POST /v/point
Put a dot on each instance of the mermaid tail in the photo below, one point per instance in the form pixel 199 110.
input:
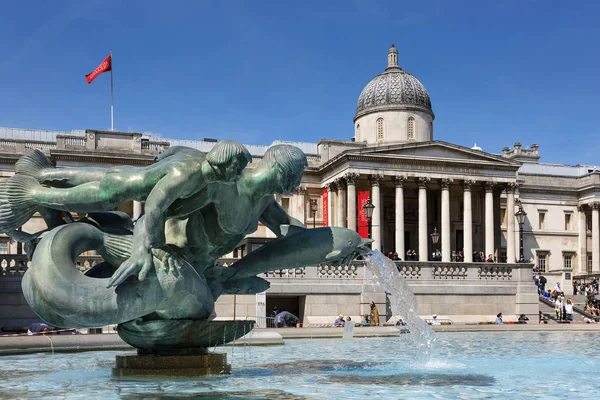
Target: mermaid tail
pixel 33 164
pixel 62 296
pixel 17 204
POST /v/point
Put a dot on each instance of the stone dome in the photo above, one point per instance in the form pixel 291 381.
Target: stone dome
pixel 394 89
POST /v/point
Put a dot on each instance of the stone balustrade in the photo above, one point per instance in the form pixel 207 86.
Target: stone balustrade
pixel 14 264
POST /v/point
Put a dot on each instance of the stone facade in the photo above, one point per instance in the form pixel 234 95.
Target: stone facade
pixel 417 184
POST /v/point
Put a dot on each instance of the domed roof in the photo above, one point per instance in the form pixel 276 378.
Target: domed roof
pixel 394 89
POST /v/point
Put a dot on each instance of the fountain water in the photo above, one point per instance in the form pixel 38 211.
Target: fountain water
pixel 387 277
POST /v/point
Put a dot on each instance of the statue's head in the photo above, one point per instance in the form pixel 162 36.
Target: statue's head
pixel 229 158
pixel 288 163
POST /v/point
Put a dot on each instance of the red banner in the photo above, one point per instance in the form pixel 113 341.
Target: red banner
pixel 363 222
pixel 105 66
pixel 325 195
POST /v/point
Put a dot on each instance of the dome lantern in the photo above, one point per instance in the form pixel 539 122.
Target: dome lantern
pixel 393 59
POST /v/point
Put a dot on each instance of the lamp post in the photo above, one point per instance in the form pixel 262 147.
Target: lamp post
pixel 314 207
pixel 435 237
pixel 369 207
pixel 521 215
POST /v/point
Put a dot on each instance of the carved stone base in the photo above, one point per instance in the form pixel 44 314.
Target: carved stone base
pixel 189 365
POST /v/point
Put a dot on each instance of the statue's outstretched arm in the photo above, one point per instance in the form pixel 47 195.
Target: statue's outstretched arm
pixel 297 248
pixel 149 231
pixel 274 216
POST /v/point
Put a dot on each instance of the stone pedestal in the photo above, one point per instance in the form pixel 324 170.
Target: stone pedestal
pixel 180 365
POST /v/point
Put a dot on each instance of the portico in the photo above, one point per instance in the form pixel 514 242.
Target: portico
pixel 419 187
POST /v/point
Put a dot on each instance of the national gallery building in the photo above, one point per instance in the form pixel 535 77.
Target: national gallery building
pixel 429 197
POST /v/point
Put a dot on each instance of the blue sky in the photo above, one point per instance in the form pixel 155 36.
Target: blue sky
pixel 255 71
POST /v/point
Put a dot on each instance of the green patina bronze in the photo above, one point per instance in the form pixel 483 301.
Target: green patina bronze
pixel 159 280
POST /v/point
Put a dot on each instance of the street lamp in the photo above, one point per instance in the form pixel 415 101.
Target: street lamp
pixel 521 215
pixel 369 207
pixel 435 238
pixel 314 207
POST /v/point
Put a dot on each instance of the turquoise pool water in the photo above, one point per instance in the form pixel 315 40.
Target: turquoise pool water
pixel 464 365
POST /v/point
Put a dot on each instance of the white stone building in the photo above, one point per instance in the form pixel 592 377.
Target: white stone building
pixel 418 185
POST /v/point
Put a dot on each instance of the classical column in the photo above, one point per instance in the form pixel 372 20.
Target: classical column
pixel 341 203
pixel 582 253
pixel 351 179
pixel 300 204
pixel 446 250
pixel 510 224
pixel 332 204
pixel 399 211
pixel 489 219
pixel 330 187
pixel 468 222
pixel 423 248
pixel 595 238
pixel 137 209
pixel 376 220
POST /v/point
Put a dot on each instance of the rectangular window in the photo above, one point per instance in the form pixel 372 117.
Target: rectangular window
pixel 589 263
pixel 567 222
pixel 503 216
pixel 3 247
pixel 588 220
pixel 542 220
pixel 541 262
pixel 568 259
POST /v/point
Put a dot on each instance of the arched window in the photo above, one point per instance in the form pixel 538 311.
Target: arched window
pixel 357 133
pixel 380 132
pixel 410 128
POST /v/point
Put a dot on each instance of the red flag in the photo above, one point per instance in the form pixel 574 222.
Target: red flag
pixel 105 66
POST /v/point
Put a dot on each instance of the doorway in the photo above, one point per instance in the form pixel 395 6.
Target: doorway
pixel 293 304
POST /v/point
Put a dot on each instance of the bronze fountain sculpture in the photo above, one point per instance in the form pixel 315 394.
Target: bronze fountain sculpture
pixel 159 279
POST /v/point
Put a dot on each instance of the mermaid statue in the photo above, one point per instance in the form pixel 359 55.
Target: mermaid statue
pixel 159 279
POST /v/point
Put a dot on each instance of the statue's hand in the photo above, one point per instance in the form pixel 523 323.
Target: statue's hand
pixel 170 275
pixel 138 263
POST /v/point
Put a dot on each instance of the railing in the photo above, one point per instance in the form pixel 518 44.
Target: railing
pixel 13 264
pixel 154 146
pixel 20 145
pixel 40 145
pixel 16 264
pixel 75 141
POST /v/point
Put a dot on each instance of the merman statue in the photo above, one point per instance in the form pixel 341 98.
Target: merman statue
pixel 160 280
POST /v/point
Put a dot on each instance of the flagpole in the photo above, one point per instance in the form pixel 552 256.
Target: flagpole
pixel 112 96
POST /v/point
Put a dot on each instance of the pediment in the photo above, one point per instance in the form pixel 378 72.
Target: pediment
pixel 434 151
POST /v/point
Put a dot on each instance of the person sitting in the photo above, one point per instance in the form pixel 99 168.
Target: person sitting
pixel 543 318
pixel 499 320
pixel 339 321
pixel 523 319
pixel 490 259
pixel 547 294
pixel 434 320
pixel 395 257
pixel 558 289
pixel 365 320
